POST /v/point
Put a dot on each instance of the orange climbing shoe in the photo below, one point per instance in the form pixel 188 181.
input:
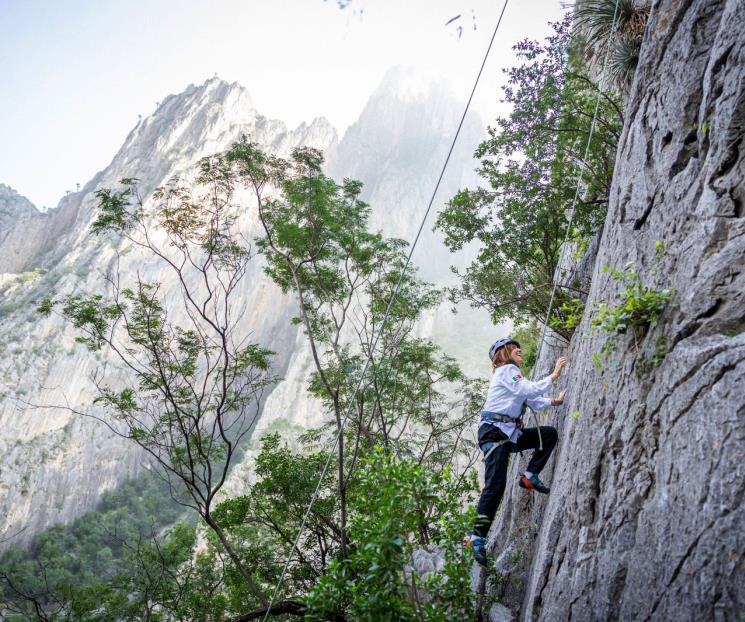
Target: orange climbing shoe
pixel 534 483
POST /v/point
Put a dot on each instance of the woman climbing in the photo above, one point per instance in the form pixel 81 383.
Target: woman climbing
pixel 501 432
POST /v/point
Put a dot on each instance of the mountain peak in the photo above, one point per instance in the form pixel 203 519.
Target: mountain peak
pixel 406 121
pixel 202 120
pixel 13 204
pixel 214 90
pixel 412 84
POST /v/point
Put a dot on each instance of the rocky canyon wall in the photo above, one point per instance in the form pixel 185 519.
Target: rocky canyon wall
pixel 646 520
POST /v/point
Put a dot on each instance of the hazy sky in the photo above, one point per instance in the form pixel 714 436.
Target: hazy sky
pixel 76 73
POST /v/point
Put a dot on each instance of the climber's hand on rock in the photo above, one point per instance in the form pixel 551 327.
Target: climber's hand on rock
pixel 558 367
pixel 558 401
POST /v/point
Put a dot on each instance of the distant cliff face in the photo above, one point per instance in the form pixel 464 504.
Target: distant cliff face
pixel 397 149
pixel 25 233
pixel 55 466
pixel 13 207
pixel 646 518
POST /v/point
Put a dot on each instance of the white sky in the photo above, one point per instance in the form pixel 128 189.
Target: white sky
pixel 76 73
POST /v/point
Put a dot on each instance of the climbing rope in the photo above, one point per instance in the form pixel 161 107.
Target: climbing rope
pixel 571 214
pixel 385 317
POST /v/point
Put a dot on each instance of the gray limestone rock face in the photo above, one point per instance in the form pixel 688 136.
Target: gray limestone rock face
pixel 499 613
pixel 646 520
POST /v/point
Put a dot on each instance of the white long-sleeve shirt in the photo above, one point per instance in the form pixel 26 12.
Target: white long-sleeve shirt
pixel 508 391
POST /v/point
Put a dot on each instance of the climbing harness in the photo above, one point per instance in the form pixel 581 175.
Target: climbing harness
pixel 489 446
pixel 489 416
pixel 486 416
pixel 385 319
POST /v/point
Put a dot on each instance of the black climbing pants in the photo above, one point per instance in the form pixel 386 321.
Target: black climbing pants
pixel 495 470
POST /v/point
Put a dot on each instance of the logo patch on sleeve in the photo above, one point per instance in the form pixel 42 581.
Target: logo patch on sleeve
pixel 516 378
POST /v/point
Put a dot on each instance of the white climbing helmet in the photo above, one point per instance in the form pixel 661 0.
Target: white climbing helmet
pixel 500 343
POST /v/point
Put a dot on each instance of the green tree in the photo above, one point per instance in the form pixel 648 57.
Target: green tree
pixel 194 387
pixel 318 246
pixel 92 548
pixel 399 506
pixel 531 163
